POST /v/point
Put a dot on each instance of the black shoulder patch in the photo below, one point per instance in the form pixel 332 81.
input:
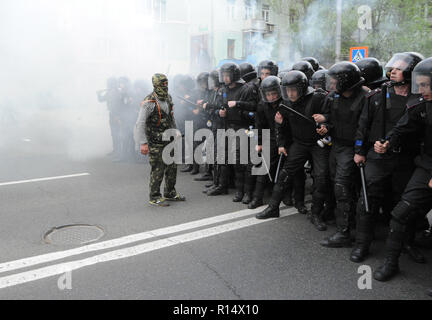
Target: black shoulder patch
pixel 415 102
pixel 373 92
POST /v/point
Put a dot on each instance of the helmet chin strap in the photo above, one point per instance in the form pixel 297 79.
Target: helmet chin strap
pixel 399 84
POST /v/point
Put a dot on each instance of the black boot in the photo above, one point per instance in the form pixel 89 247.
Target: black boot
pixel 195 169
pixel 255 203
pixel 340 239
pixel 205 177
pixel 315 217
pixel 429 292
pixel 364 235
pixel 270 212
pixel 239 184
pixel 219 190
pixel 301 208
pixel 238 197
pixel 247 198
pixel 390 268
pixel 288 201
pixel 409 247
pixel 187 168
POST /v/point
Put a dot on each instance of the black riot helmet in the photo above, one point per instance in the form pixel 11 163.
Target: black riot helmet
pixel 319 79
pixel 295 80
pixel 405 62
pixel 141 85
pixel 416 54
pixel 213 80
pixel 124 82
pixel 372 71
pixel 202 80
pixel 344 76
pixel 422 79
pixel 270 84
pixel 112 83
pixel 248 72
pixel 283 72
pixel 304 67
pixel 314 62
pixel 187 83
pixel 270 65
pixel 232 70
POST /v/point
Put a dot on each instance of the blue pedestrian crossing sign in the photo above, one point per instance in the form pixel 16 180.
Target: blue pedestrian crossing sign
pixel 358 53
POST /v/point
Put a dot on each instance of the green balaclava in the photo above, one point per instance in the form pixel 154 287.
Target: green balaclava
pixel 159 89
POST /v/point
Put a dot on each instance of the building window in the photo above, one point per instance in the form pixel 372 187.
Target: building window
pixel 231 49
pixel 266 12
pixel 249 10
pixel 159 9
pixel 231 9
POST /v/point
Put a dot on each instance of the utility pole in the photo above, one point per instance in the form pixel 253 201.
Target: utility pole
pixel 338 29
pixel 212 34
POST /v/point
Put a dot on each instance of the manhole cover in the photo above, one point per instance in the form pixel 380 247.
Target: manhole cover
pixel 74 234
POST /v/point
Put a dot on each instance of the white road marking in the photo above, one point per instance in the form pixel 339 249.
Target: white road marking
pixel 43 179
pixel 31 261
pixel 58 269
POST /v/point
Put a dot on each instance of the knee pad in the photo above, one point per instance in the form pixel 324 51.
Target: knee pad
pixel 342 193
pixel 403 212
pixel 397 226
pixel 284 177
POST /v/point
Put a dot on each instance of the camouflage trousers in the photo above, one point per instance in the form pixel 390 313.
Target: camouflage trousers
pixel 159 170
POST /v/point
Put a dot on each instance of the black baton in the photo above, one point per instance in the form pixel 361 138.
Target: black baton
pixel 363 180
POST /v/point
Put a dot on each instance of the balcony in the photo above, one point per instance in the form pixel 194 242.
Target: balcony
pixel 258 25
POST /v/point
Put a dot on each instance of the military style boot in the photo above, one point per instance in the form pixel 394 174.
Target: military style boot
pixel 301 208
pixel 222 182
pixel 270 212
pixel 316 218
pixel 390 268
pixel 195 169
pixel 364 237
pixel 187 168
pixel 258 195
pixel 239 184
pixel 341 238
pixel 409 247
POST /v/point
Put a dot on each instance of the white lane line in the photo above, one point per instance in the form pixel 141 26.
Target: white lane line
pixel 31 261
pixel 44 179
pixel 46 272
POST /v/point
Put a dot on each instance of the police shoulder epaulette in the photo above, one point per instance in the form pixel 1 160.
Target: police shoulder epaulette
pixel 373 92
pixel 415 102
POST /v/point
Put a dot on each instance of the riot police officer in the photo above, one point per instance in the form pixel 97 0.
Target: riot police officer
pixel 267 68
pixel 301 98
pixel 314 62
pixel 344 103
pixel 304 67
pixel 234 93
pixel 319 80
pixel 372 71
pixel 382 111
pixel 418 193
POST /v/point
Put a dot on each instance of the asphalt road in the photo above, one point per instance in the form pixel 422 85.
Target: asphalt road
pixel 218 256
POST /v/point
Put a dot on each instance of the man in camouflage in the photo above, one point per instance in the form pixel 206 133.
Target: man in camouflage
pixel 156 116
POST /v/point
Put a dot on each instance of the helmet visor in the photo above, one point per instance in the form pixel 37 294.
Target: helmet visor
pixel 271 94
pixel 291 93
pixel 401 62
pixel 422 84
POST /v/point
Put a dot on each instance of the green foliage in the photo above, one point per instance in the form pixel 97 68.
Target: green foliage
pixel 397 26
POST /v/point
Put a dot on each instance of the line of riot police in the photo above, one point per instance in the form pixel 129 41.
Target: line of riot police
pixel 123 101
pixel 333 124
